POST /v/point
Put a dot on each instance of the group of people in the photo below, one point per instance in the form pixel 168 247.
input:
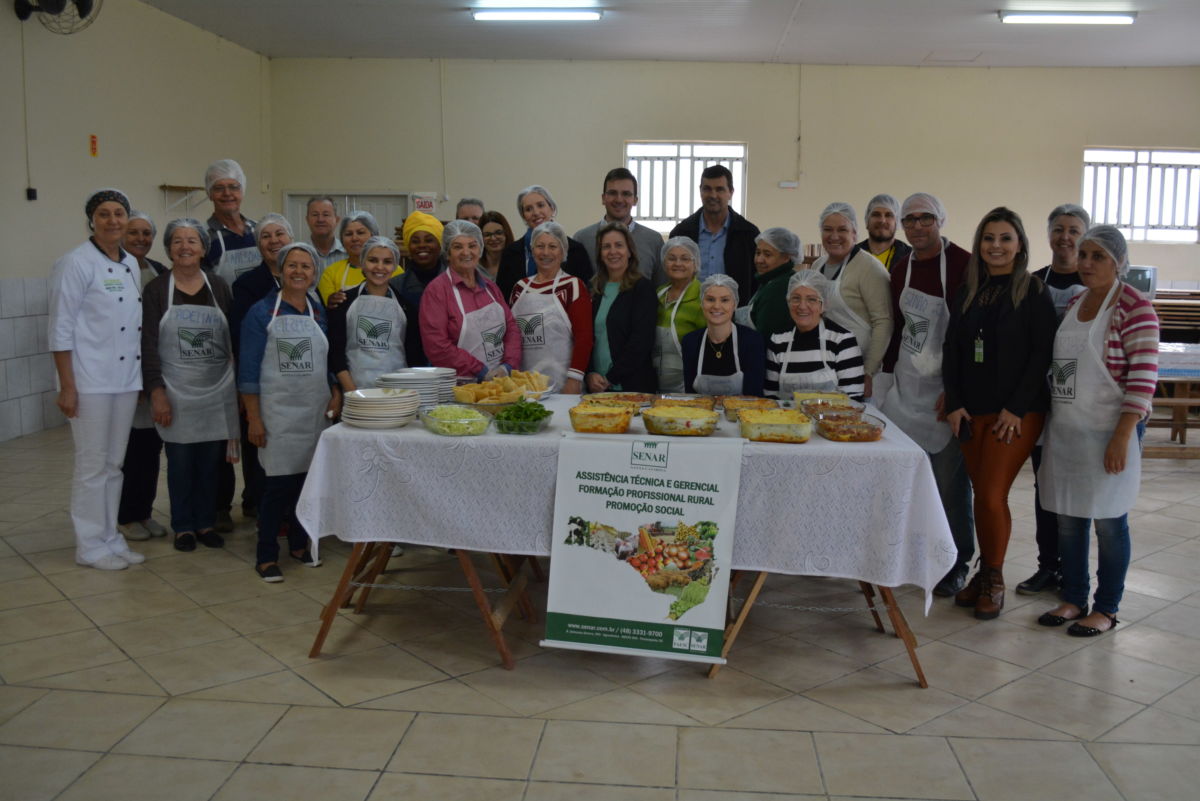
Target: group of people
pixel 242 347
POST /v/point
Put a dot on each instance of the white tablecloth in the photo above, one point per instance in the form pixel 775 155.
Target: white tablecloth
pixel 866 511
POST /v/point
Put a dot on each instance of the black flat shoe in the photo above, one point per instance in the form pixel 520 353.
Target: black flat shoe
pixel 1080 630
pixel 185 541
pixel 1051 619
pixel 1041 580
pixel 210 539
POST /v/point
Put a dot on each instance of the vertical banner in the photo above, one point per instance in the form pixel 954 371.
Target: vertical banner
pixel 643 537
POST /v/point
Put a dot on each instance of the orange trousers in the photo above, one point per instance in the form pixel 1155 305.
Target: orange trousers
pixel 993 465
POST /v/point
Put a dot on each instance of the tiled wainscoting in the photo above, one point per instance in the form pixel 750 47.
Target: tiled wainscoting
pixel 27 388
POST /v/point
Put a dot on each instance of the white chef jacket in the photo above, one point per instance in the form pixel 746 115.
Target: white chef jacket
pixel 96 313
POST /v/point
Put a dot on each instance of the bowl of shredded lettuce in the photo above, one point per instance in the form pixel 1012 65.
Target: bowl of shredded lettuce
pixel 523 417
pixel 453 420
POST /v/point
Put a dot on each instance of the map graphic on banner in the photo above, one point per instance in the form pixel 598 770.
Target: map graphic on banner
pixel 642 542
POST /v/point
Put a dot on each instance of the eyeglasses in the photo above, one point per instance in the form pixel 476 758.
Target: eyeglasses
pixel 222 188
pixel 493 234
pixel 804 302
pixel 923 220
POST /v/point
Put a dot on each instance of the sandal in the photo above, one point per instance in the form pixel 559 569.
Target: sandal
pixel 1051 619
pixel 185 541
pixel 1080 630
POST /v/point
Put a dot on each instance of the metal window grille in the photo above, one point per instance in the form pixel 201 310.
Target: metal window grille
pixel 1151 195
pixel 668 175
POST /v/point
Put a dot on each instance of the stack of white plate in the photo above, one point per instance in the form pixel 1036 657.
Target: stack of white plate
pixel 380 408
pixel 434 384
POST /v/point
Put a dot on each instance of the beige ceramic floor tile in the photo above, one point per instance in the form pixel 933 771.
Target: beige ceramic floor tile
pixel 273 612
pixel 854 636
pixel 410 786
pixel 957 670
pixel 201 730
pixel 1159 585
pixel 84 721
pixel 40 774
pixel 450 696
pixel 14 699
pixel 468 745
pixel 748 759
pixel 1047 771
pixel 900 766
pixel 15 512
pixel 801 714
pixel 794 664
pixel 465 650
pixel 139 778
pixel 163 633
pixel 725 795
pixel 636 755
pixel 977 720
pixel 1068 707
pixel 688 690
pixel 123 606
pixel 895 702
pixel 370 674
pixel 538 684
pixel 417 618
pixel 61 560
pixel 1156 726
pixel 355 739
pixel 621 705
pixel 1154 645
pixel 283 687
pixel 617 668
pixel 118 677
pixel 1016 643
pixel 42 620
pixel 204 562
pixel 1164 523
pixel 236 585
pixel 554 791
pixel 291 644
pixel 1151 772
pixel 1184 701
pixel 82 582
pixel 1111 672
pixel 1176 619
pixel 259 782
pixel 62 653
pixel 27 591
pixel 208 665
pixel 15 567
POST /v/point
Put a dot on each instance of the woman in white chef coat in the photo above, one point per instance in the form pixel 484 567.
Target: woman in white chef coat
pixel 861 297
pixel 1102 379
pixel 95 339
pixel 283 377
pixel 553 310
pixel 375 331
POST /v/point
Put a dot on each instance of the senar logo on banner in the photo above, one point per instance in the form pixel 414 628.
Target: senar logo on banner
pixel 643 538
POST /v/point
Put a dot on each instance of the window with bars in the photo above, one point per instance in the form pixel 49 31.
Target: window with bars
pixel 668 175
pixel 1151 195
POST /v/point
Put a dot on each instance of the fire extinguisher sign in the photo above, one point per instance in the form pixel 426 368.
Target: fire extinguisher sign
pixel 94 145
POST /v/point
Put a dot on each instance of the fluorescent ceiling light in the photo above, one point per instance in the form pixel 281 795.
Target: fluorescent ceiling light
pixel 536 15
pixel 1068 17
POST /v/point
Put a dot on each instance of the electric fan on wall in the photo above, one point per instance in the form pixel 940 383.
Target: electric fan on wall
pixel 60 16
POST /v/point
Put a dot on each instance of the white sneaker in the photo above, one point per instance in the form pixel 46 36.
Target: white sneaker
pixel 132 557
pixel 107 562
pixel 155 528
pixel 135 531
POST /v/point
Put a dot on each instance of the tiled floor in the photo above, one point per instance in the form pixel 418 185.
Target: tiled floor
pixel 188 678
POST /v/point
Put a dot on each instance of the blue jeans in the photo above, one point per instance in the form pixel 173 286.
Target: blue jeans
pixel 278 505
pixel 192 483
pixel 954 487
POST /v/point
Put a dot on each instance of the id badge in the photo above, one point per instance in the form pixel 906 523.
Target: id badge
pixel 979 350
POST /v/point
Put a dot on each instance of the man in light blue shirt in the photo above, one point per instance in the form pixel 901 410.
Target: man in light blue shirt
pixel 726 238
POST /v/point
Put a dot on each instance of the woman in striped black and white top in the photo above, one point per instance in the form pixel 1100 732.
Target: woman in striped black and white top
pixel 817 355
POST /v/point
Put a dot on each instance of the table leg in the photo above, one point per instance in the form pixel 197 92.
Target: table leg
pixel 382 555
pixel 900 625
pixel 731 630
pixel 870 596
pixel 485 608
pixel 511 567
pixel 340 596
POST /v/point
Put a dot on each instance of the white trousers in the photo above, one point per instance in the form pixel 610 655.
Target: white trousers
pixel 101 432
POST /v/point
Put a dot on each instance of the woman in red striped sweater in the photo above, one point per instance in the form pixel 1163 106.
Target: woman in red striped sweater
pixel 1102 378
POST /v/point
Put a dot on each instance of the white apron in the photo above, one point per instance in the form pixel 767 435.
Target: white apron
pixel 235 262
pixel 375 331
pixel 1062 297
pixel 910 402
pixel 197 369
pixel 823 380
pixel 1085 405
pixel 719 384
pixel 294 391
pixel 482 333
pixel 546 334
pixel 668 354
pixel 839 311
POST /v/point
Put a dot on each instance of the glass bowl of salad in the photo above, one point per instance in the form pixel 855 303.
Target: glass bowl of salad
pixel 522 417
pixel 455 420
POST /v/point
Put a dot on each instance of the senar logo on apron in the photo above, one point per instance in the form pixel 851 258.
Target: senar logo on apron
pixel 373 333
pixel 533 332
pixel 493 343
pixel 196 343
pixel 1062 379
pixel 293 353
pixel 916 330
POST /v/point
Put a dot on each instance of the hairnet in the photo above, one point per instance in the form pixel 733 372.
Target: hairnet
pixel 223 168
pixel 104 196
pixel 844 209
pixel 380 242
pixel 535 188
pixel 141 215
pixel 451 231
pixel 1071 210
pixel 553 229
pixel 923 202
pixel 782 240
pixel 364 217
pixel 681 242
pixel 1113 242
pixel 885 200
pixel 186 222
pixel 307 248
pixel 720 279
pixel 274 219
pixel 809 278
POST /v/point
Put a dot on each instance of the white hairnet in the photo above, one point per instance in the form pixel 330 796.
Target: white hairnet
pixel 275 219
pixel 922 203
pixel 141 215
pixel 223 168
pixel 681 242
pixel 307 248
pixel 1071 210
pixel 380 242
pixel 844 209
pixel 538 189
pixel 364 217
pixel 810 278
pixel 885 200
pixel 457 228
pixel 1113 242
pixel 553 229
pixel 782 240
pixel 720 279
pixel 186 222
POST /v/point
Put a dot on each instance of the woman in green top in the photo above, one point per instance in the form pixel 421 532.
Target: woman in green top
pixel 678 310
pixel 776 251
pixel 623 313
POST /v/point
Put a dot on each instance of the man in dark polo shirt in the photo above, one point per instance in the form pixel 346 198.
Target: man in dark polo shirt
pixel 883 214
pixel 726 238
